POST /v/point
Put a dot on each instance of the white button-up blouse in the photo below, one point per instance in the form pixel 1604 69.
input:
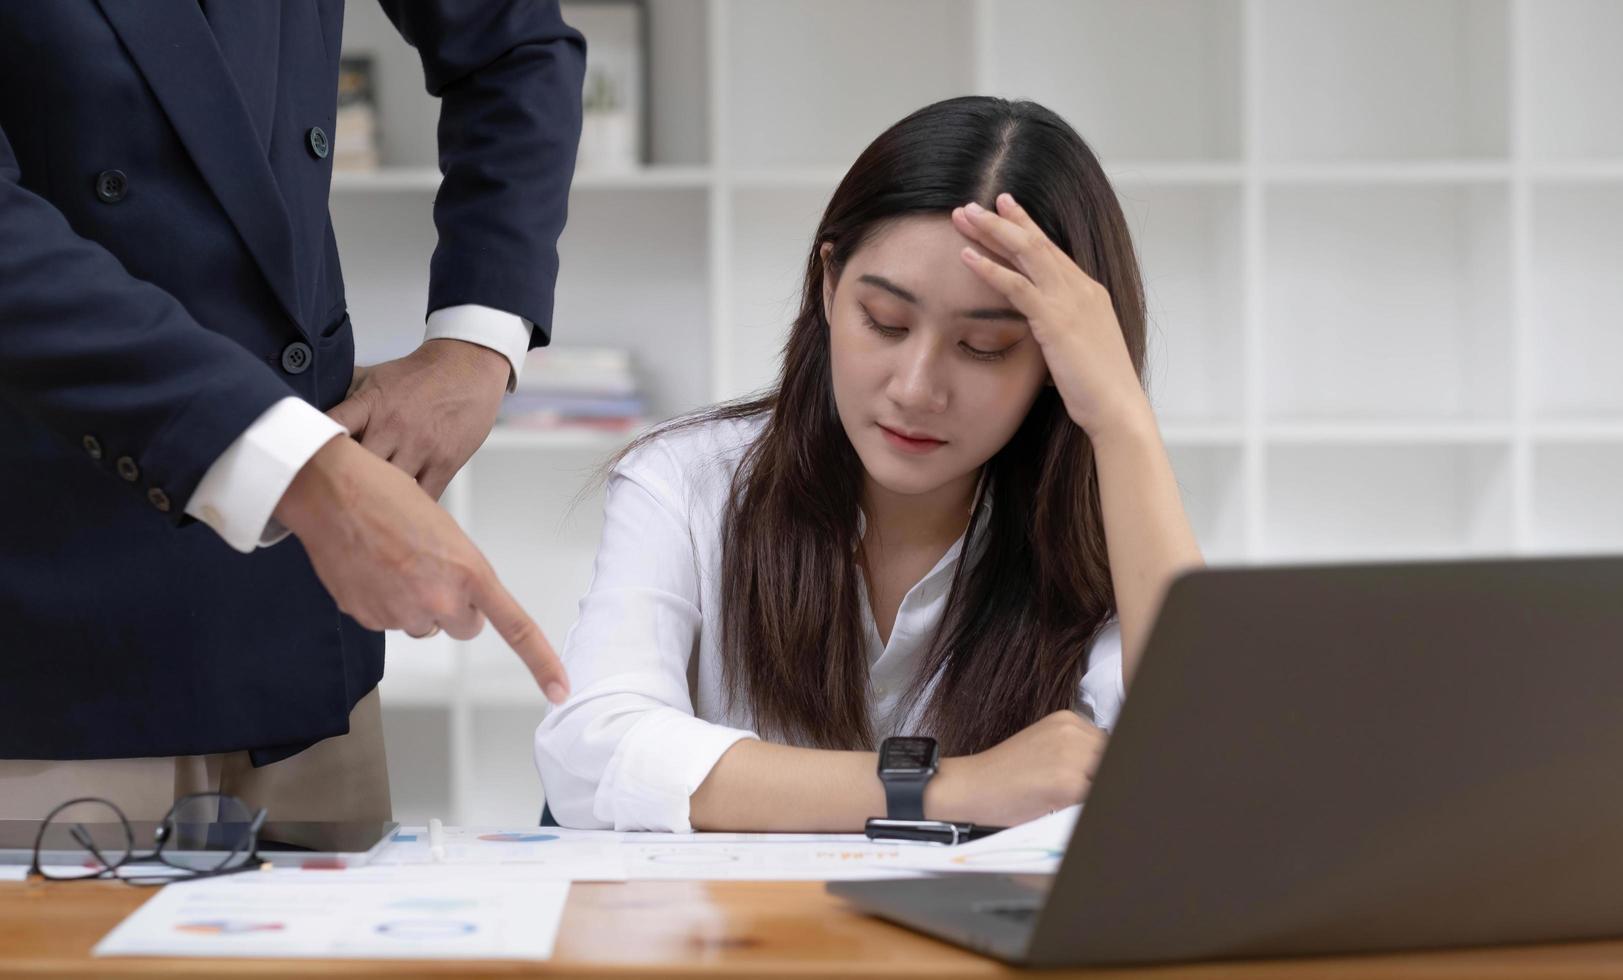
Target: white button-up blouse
pixel 648 717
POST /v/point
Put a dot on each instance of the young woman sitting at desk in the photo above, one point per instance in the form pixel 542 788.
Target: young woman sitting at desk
pixel 952 516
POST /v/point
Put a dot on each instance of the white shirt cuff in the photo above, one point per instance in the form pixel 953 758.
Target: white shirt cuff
pixel 505 333
pixel 656 768
pixel 243 486
pixel 1104 690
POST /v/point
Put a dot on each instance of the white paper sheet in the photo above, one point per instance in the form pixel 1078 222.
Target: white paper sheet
pixel 544 852
pixel 1035 847
pixel 734 857
pixel 602 855
pixel 358 913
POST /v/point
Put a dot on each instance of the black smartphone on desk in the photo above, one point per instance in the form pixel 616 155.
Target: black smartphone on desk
pixel 927 831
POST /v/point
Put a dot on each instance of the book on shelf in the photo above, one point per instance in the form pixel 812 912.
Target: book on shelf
pixel 355 136
pixel 593 388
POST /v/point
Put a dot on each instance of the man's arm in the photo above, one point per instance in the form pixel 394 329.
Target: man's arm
pixel 508 76
pixel 241 489
pixel 113 365
pixel 118 367
pixel 504 333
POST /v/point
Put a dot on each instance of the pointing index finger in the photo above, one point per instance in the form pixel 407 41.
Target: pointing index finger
pixel 523 635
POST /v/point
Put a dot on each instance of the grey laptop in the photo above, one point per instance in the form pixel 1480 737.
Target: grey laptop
pixel 1336 759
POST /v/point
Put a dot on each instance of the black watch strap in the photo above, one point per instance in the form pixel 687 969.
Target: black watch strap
pixel 904 798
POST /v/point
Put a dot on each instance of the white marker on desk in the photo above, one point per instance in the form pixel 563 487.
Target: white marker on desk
pixel 436 840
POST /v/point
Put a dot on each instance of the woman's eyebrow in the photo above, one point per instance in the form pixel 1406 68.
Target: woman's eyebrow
pixel 888 287
pixel 984 313
pixel 994 313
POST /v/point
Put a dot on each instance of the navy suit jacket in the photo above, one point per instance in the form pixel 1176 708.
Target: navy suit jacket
pixel 158 255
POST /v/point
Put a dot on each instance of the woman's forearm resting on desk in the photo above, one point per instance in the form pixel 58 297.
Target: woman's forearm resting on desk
pixel 762 786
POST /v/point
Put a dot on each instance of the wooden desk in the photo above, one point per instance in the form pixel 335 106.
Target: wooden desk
pixel 698 929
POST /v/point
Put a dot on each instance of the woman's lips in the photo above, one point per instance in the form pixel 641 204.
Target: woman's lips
pixel 909 444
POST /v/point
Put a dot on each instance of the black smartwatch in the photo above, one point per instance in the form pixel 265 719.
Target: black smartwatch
pixel 906 764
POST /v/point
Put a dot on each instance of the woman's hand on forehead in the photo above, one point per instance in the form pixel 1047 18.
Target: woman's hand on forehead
pixel 1070 313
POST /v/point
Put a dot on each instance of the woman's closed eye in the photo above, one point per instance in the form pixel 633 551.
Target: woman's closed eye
pixel 987 355
pixel 886 330
pixel 883 330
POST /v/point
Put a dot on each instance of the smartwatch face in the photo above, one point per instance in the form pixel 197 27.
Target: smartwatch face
pixel 909 755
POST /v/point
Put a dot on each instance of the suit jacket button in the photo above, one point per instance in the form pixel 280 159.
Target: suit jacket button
pixel 127 469
pixel 111 186
pixel 296 357
pixel 318 142
pixel 158 499
pixel 92 446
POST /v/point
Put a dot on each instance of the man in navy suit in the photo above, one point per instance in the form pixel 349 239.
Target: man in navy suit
pixel 178 394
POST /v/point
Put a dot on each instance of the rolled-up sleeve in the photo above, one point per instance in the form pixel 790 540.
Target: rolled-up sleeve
pixel 626 752
pixel 1103 686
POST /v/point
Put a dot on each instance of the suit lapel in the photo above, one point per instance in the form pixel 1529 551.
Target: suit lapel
pixel 171 44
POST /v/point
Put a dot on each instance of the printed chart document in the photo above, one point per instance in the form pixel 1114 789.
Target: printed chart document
pixel 418 914
pixel 549 852
pixel 604 855
pixel 764 857
pixel 1034 847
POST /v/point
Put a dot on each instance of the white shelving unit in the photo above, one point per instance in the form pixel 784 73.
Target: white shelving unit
pixel 1380 237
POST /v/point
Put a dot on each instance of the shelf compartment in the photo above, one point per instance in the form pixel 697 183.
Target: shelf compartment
pixel 1122 173
pixel 418 743
pixel 634 274
pixel 1576 308
pixel 1573 76
pixel 504 788
pixel 678 111
pixel 1387 302
pixel 538 519
pixel 561 440
pixel 1397 501
pixel 1401 431
pixel 406 115
pixel 1578 497
pixel 1203 434
pixel 771 239
pixel 426 180
pixel 418 672
pixel 842 72
pixel 1403 172
pixel 1189 245
pixel 386 241
pixel 1210 482
pixel 679 99
pixel 652 239
pixel 1384 79
pixel 1580 430
pixel 1106 66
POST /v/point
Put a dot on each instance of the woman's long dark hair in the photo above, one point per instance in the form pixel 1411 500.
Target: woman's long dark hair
pixel 1013 644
